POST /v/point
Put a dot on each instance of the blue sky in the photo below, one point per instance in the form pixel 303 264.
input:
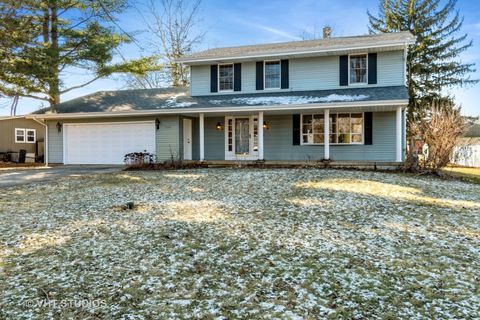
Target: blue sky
pixel 231 23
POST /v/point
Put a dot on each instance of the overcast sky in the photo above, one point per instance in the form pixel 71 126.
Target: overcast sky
pixel 230 23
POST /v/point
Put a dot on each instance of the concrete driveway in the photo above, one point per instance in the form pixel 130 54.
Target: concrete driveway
pixel 17 177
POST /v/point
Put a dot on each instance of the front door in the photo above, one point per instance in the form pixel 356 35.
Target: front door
pixel 187 139
pixel 241 138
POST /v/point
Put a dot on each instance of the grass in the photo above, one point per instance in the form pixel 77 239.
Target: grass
pixel 226 243
pixel 464 173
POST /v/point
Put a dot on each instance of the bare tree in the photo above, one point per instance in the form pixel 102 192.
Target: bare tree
pixel 440 130
pixel 172 25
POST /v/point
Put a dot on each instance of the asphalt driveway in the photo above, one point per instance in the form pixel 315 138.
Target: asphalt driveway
pixel 16 177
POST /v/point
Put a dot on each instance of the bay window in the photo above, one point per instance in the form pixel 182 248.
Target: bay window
pixel 345 128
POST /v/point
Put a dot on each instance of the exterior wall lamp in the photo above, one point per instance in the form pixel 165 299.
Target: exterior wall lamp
pixel 59 127
pixel 265 125
pixel 157 123
pixel 219 126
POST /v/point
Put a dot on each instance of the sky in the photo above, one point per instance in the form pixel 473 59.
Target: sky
pixel 230 23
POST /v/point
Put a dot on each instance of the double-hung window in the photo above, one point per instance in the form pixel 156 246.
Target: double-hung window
pixel 345 128
pixel 225 77
pixel 25 135
pixel 272 74
pixel 358 69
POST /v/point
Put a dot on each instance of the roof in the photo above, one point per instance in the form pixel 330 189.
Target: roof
pixel 153 101
pixel 307 48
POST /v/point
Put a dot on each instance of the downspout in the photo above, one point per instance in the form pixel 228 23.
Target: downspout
pixel 46 139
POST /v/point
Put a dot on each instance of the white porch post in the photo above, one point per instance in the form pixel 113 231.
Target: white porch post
pixel 260 135
pixel 202 137
pixel 326 134
pixel 398 135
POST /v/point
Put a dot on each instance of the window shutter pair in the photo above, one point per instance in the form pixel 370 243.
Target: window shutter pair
pixel 237 77
pixel 284 76
pixel 367 122
pixel 372 69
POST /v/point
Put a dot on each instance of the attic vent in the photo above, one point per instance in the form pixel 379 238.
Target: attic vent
pixel 327 32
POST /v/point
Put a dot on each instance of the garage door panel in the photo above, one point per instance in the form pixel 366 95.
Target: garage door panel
pixel 96 143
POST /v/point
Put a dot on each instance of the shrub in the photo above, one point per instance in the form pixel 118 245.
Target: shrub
pixel 440 130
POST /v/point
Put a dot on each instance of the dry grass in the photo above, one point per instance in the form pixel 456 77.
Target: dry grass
pixel 464 173
pixel 226 243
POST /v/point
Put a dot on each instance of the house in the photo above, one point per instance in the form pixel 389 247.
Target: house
pixel 273 102
pixel 19 133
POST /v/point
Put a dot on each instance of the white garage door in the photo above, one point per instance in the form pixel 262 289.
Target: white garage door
pixel 106 143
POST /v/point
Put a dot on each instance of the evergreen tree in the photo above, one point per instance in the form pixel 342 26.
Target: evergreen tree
pixel 42 39
pixel 433 62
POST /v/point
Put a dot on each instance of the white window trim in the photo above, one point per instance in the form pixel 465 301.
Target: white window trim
pixel 24 135
pixel 34 135
pixel 330 123
pixel 24 130
pixel 233 77
pixel 280 75
pixel 366 75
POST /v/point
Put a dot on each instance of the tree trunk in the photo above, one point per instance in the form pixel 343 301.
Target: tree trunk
pixel 54 56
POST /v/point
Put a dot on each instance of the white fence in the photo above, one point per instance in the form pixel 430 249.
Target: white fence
pixel 468 155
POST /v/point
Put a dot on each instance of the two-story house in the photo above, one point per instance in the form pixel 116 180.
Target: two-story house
pixel 333 98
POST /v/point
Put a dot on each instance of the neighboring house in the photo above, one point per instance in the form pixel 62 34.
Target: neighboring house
pixel 272 101
pixel 19 133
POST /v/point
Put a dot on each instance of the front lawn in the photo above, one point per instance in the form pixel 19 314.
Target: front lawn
pixel 225 243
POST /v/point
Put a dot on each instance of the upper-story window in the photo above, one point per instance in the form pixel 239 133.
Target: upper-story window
pixel 358 68
pixel 225 77
pixel 272 74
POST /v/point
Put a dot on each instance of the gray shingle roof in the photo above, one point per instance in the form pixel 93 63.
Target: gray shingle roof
pixel 293 47
pixel 155 99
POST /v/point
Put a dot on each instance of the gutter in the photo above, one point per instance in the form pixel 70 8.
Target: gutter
pixel 206 110
pixel 46 138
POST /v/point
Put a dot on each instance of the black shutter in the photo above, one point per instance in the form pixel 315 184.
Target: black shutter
pixel 296 129
pixel 259 75
pixel 213 78
pixel 344 70
pixel 368 122
pixel 284 76
pixel 237 77
pixel 372 68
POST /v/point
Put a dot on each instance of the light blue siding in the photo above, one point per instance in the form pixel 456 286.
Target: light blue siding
pixel 279 142
pixel 167 137
pixel 318 73
pixel 55 143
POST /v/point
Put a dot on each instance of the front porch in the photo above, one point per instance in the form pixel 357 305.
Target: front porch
pixel 287 137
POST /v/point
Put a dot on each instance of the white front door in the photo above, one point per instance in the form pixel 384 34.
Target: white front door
pixel 106 143
pixel 187 139
pixel 241 138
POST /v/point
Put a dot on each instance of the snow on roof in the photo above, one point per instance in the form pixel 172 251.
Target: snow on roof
pixel 286 100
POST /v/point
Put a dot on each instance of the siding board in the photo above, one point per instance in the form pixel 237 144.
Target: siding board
pixel 319 73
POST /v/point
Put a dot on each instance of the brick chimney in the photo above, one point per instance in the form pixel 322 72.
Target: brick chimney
pixel 327 32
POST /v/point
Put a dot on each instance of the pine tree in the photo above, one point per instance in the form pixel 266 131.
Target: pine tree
pixel 40 40
pixel 433 62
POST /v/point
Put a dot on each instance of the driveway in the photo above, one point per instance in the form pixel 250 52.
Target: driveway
pixel 16 177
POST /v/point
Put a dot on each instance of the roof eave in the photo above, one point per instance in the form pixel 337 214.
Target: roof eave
pixel 393 45
pixel 228 109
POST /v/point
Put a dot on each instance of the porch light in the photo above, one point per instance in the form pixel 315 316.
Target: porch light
pixel 265 125
pixel 59 127
pixel 157 123
pixel 219 126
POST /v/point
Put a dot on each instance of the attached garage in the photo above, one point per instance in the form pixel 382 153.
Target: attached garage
pixel 106 142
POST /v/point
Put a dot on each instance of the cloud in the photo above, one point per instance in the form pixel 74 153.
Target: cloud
pixel 269 29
